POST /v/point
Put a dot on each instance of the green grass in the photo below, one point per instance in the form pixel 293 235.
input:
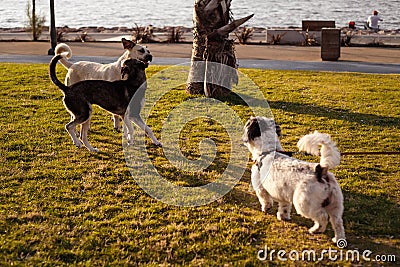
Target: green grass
pixel 60 205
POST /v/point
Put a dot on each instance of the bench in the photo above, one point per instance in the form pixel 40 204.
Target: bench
pixel 317 25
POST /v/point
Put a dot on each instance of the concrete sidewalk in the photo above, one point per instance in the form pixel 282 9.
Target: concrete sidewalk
pixel 352 59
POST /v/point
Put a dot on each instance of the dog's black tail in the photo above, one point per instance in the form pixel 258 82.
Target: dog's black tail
pixel 53 76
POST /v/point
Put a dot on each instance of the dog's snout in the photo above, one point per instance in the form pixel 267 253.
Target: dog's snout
pixel 148 57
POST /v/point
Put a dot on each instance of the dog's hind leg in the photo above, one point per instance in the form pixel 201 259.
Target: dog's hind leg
pixel 71 129
pixel 80 112
pixel 308 207
pixel 139 122
pixel 84 133
pixel 86 112
pixel 320 219
pixel 76 131
pixel 117 123
pixel 335 211
pixel 337 225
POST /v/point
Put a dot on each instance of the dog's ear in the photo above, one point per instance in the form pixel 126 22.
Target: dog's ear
pixel 253 129
pixel 127 44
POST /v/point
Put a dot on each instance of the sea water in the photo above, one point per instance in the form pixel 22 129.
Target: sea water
pixel 160 13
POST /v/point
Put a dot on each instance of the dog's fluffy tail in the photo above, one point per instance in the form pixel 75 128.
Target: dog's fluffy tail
pixel 330 155
pixel 65 50
pixel 52 73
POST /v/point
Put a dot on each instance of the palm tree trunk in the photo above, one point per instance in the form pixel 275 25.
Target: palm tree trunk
pixel 212 48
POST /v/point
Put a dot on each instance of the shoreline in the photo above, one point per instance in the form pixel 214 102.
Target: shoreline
pixel 267 54
pixel 169 34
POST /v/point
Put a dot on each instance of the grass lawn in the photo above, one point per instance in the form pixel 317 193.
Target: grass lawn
pixel 60 205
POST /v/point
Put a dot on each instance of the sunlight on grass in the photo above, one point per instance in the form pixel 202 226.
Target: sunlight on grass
pixel 61 205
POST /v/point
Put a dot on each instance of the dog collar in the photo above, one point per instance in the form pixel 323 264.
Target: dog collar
pixel 258 161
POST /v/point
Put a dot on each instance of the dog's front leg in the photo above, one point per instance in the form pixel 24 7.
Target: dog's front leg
pixel 117 124
pixel 284 211
pixel 128 130
pixel 262 194
pixel 139 122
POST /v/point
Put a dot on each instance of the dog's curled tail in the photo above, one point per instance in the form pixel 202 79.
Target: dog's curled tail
pixel 65 50
pixel 52 73
pixel 330 155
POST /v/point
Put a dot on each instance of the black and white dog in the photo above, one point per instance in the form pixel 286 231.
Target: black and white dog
pixel 86 70
pixel 114 97
pixel 310 187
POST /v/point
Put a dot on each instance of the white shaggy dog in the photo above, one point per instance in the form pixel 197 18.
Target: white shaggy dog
pixel 85 70
pixel 310 187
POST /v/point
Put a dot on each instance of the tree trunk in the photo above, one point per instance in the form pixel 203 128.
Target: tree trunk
pixel 212 49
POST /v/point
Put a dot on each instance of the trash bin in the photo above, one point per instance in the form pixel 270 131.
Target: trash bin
pixel 330 44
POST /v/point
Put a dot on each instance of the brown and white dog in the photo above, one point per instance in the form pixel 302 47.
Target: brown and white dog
pixel 310 187
pixel 116 97
pixel 86 70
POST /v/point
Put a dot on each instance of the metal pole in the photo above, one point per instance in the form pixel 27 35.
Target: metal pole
pixel 53 33
pixel 34 36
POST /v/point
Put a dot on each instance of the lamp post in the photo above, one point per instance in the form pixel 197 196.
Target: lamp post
pixel 34 37
pixel 53 33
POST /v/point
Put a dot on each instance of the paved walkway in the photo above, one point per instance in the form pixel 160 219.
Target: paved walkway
pixel 353 59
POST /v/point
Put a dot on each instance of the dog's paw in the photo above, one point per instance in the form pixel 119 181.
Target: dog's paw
pixel 313 231
pixel 94 150
pixel 158 144
pixel 266 207
pixel 78 144
pixel 130 141
pixel 316 229
pixel 282 217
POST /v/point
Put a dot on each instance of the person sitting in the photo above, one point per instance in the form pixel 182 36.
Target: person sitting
pixel 373 21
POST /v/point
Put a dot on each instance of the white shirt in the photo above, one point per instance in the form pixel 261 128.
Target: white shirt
pixel 373 21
